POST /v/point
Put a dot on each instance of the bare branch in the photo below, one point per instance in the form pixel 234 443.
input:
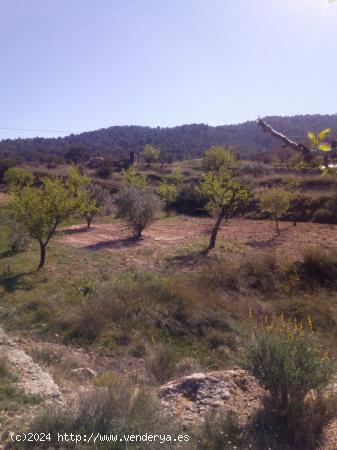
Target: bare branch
pixel 306 151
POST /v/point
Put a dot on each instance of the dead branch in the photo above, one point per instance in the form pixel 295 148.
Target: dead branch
pixel 306 151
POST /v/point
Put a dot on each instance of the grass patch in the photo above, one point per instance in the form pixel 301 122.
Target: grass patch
pixel 11 398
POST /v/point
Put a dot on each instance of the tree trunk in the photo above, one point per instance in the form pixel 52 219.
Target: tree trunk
pixel 215 232
pixel 138 233
pixel 277 227
pixel 42 255
pixel 89 220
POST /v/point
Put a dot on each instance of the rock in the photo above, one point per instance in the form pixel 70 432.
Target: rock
pixel 31 377
pixel 83 374
pixel 191 397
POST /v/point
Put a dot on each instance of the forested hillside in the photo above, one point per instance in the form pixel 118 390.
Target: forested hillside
pixel 182 142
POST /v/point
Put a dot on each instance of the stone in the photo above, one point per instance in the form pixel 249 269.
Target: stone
pixel 190 398
pixel 83 374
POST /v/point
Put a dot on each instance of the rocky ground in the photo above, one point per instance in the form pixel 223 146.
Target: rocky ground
pixel 188 398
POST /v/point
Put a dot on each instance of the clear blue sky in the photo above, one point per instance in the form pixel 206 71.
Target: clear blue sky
pixel 81 65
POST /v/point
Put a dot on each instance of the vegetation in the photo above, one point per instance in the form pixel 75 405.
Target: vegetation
pixel 289 362
pixel 159 308
pixel 118 409
pixel 138 207
pixel 17 177
pixel 11 398
pixel 93 200
pixel 276 202
pixel 150 154
pixel 132 178
pixel 40 210
pixel 178 143
pixel 224 194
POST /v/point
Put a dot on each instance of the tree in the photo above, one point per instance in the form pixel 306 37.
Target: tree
pixel 275 201
pixel 92 201
pixel 42 209
pixel 217 157
pixel 150 154
pixel 138 207
pixel 168 188
pixel 131 177
pixel 90 197
pixel 17 177
pixel 224 196
pixel 168 193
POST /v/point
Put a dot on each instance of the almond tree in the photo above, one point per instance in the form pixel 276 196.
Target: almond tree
pixel 276 201
pixel 224 193
pixel 42 209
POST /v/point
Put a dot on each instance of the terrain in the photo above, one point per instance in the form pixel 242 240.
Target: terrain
pixel 182 142
pixel 154 332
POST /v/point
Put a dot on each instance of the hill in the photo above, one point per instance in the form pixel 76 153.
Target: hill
pixel 181 142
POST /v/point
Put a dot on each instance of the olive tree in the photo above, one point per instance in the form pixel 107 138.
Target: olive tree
pixel 138 207
pixel 40 210
pixel 276 201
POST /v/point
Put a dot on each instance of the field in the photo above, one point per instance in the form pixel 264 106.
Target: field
pixel 158 308
pixel 168 239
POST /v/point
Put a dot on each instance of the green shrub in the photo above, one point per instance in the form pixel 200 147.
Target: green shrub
pixel 288 361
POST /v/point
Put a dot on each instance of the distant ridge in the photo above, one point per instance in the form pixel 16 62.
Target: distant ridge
pixel 181 142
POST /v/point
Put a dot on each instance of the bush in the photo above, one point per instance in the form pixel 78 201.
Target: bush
pixel 301 429
pixel 223 432
pixel 16 235
pixel 319 267
pixel 138 206
pixel 262 274
pixel 114 406
pixel 288 361
pixel 161 362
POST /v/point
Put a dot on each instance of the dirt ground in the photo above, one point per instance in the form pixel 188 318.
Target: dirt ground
pixel 178 238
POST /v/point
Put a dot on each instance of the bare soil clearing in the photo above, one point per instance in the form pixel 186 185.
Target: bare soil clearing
pixel 176 237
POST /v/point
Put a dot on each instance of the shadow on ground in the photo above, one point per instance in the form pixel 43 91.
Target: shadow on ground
pixel 114 243
pixel 12 282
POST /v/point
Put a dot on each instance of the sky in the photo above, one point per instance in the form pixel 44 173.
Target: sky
pixel 79 65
